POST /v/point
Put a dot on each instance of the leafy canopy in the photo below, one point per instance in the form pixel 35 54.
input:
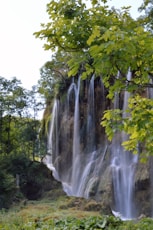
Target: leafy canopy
pixel 138 124
pixel 99 40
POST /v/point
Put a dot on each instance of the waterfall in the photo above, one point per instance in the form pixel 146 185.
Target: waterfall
pixel 70 184
pixel 76 145
pixel 91 117
pixel 82 165
pixel 123 171
pixel 81 162
pixel 86 163
pixel 53 149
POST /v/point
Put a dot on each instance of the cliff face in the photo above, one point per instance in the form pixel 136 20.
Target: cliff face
pixel 83 160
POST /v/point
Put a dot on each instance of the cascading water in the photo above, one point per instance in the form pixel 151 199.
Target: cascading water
pixel 83 167
pixel 82 162
pixel 91 118
pixel 75 173
pixel 53 149
pixel 123 171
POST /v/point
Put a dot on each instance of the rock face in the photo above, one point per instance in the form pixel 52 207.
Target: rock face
pixel 81 156
pixel 143 189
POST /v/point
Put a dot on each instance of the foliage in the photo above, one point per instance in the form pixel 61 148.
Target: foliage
pixel 105 222
pixel 67 31
pixel 7 189
pixel 138 124
pixel 119 50
pixel 53 81
pixel 8 183
pixel 32 179
pixel 19 140
pixel 18 112
pixel 19 135
pixel 53 73
pixel 101 40
pixel 12 97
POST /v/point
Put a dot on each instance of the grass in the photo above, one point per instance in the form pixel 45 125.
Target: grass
pixel 63 213
pixel 43 210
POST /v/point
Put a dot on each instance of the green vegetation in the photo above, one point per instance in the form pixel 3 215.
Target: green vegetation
pixel 21 178
pixel 20 143
pixel 19 125
pixel 138 127
pixel 51 214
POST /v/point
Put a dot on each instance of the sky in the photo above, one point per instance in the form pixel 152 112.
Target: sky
pixel 21 54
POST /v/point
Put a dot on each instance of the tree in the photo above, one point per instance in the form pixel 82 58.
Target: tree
pixel 19 124
pixel 12 101
pixel 20 143
pixel 53 76
pixel 147 18
pixel 106 42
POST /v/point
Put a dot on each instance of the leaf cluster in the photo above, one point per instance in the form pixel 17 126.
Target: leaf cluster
pixel 99 40
pixel 138 125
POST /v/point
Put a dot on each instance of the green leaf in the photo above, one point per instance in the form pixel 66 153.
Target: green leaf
pixel 95 34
